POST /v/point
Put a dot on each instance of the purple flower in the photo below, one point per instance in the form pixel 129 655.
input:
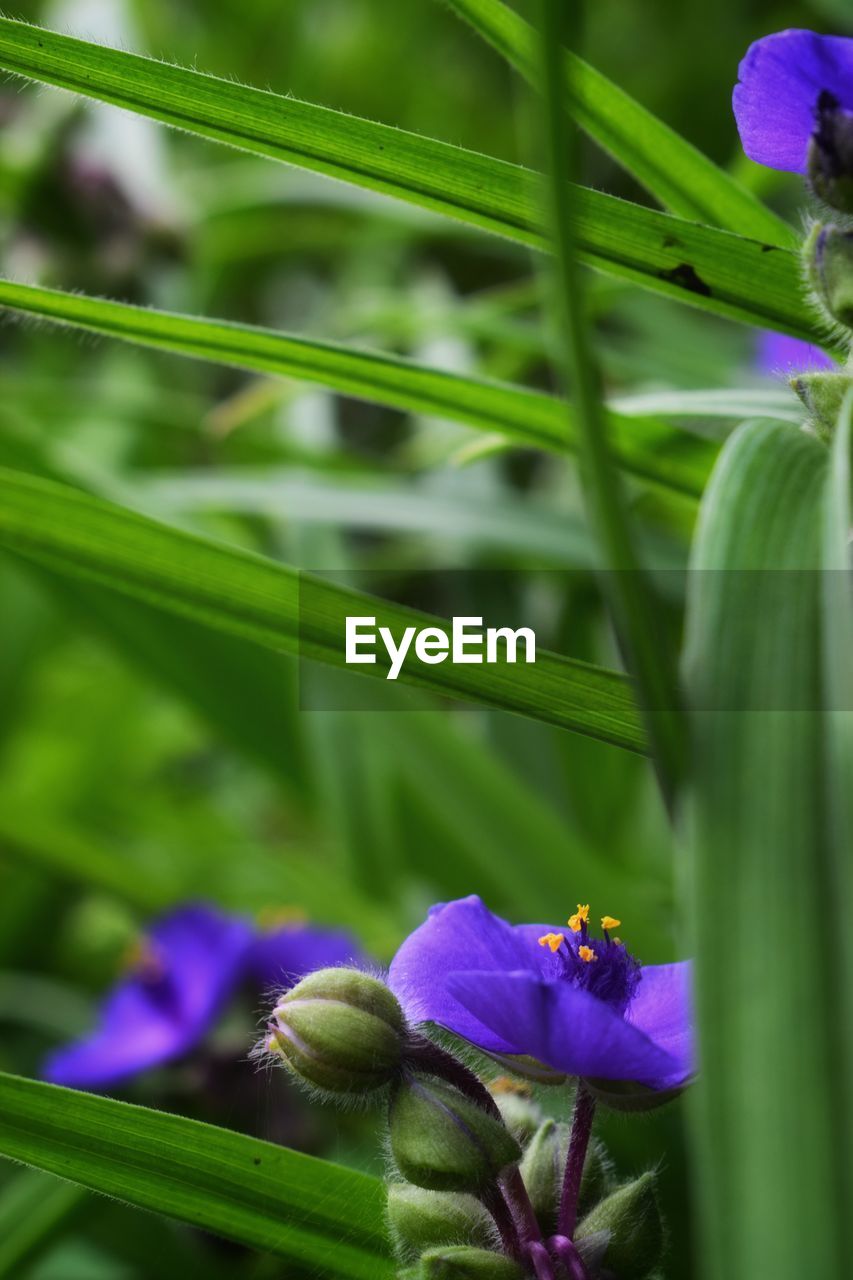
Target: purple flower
pixel 779 355
pixel 579 1004
pixel 790 85
pixel 188 967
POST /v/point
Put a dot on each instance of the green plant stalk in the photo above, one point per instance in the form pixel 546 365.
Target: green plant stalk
pixel 630 594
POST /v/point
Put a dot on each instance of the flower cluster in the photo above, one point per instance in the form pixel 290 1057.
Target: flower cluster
pixel 482 1184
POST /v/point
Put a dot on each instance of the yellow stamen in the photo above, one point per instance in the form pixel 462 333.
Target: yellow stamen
pixel 552 940
pixel 609 922
pixel 587 954
pixel 580 917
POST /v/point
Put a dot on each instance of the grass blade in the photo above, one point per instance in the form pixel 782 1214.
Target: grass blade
pixel 309 1211
pixel 281 609
pixel 528 418
pixel 630 592
pixel 764 853
pixel 758 283
pixel 671 169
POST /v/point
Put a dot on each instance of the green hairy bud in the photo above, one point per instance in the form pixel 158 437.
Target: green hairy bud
pixel 828 256
pixel 467 1264
pixel 422 1219
pixel 339 1030
pixel 823 395
pixel 443 1141
pixel 543 1166
pixel 624 1233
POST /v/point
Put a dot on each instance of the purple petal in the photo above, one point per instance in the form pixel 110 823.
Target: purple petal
pixel 456 936
pixel 159 1013
pixel 562 1026
pixel 663 1009
pixel 779 355
pixel 281 958
pixel 781 78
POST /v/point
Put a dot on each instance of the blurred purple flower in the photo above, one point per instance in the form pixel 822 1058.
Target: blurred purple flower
pixel 188 967
pixel 779 355
pixel 783 80
pixel 580 1005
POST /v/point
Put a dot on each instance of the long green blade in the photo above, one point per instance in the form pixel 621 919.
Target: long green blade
pixel 744 279
pixel 279 608
pixel 305 1210
pixel 529 418
pixel 774 1166
pixel 629 591
pixel 670 168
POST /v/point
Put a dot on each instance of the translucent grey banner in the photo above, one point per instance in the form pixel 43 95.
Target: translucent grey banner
pixel 538 642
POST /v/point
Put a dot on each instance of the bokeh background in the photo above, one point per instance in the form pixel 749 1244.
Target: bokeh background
pixel 145 762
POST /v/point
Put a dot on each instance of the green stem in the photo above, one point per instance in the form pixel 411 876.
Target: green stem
pixel 636 611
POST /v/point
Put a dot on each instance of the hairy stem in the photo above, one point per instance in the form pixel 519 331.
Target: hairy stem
pixel 431 1058
pixel 578 1144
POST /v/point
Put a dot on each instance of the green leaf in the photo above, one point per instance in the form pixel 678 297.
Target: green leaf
pixel 633 601
pixel 528 418
pixel 670 168
pixel 267 1197
pixel 278 608
pixel 748 280
pixel 770 900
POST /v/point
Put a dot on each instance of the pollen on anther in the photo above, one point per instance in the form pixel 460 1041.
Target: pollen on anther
pixel 587 954
pixel 610 922
pixel 581 917
pixel 552 940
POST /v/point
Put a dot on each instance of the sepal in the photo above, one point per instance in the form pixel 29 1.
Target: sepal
pixel 468 1264
pixel 421 1220
pixel 625 1231
pixel 442 1141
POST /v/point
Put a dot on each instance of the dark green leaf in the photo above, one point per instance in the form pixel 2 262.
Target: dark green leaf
pixel 267 1197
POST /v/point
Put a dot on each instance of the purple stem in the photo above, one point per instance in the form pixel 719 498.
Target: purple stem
pixel 493 1199
pixel 566 1254
pixel 434 1060
pixel 519 1202
pixel 578 1144
pixel 537 1255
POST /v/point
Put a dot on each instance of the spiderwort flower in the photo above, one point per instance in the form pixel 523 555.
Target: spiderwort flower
pixel 580 1004
pixel 185 971
pixel 790 86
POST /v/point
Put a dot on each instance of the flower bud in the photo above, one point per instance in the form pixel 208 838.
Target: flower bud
pixel 422 1219
pixel 443 1141
pixel 340 1030
pixel 830 155
pixel 828 258
pixel 467 1264
pixel 823 395
pixel 543 1167
pixel 625 1231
